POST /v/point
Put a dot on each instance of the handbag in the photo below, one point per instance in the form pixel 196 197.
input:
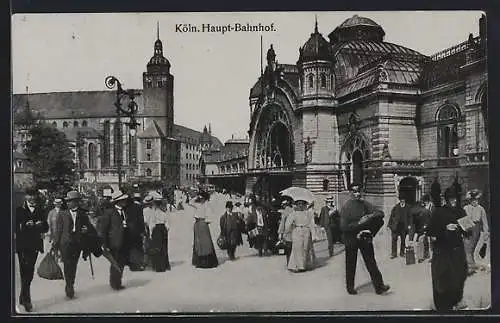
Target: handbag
pixel 222 242
pixel 49 268
pixel 253 233
pixel 410 255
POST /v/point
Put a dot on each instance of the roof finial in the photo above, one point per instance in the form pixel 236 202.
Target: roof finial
pixel 316 24
pixel 158 30
pixel 27 89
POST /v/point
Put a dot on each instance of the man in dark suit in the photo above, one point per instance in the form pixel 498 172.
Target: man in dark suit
pixel 74 234
pixel 113 226
pixel 360 221
pixel 134 234
pixel 399 223
pixel 327 220
pixel 31 224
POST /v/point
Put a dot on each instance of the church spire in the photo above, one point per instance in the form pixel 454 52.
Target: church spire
pixel 316 24
pixel 157 30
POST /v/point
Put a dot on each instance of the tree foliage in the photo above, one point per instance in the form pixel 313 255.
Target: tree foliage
pixel 51 159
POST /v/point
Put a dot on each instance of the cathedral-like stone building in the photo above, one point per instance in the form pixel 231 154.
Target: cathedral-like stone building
pixel 355 108
pixel 102 141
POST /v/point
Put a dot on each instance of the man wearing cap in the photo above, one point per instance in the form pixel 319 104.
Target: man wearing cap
pixel 360 221
pixel 72 236
pixel 328 220
pixel 113 227
pixel 400 224
pixel 31 223
pixel 52 218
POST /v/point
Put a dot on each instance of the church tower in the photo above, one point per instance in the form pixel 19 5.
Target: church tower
pixel 158 89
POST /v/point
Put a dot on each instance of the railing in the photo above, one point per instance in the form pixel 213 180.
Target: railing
pixel 453 50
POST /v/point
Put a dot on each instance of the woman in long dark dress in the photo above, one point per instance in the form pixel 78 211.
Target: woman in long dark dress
pixel 449 265
pixel 203 247
pixel 156 220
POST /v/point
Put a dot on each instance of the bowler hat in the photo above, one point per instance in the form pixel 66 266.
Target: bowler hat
pixel 237 204
pixel 72 195
pixel 229 205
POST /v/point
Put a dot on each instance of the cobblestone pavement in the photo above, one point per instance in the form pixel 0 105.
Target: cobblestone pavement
pixel 248 284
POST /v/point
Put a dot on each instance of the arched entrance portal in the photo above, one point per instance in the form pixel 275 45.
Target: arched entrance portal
pixel 408 187
pixel 280 145
pixel 357 167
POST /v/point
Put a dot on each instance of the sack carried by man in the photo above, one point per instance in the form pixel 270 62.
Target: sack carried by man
pixel 49 268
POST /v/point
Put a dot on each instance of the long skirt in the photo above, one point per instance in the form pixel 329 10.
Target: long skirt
pixel 302 257
pixel 203 247
pixel 449 272
pixel 470 244
pixel 159 248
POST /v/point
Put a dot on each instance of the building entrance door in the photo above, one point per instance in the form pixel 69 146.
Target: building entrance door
pixel 408 189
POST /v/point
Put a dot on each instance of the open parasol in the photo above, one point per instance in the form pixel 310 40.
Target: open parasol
pixel 298 193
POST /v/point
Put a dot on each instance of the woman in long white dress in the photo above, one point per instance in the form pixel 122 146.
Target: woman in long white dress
pixel 301 224
pixel 157 222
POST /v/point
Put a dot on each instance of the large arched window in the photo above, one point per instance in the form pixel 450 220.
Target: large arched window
pixel 323 81
pixel 54 124
pixel 149 173
pixel 106 145
pixel 92 156
pixel 75 124
pixel 447 131
pixel 84 123
pixel 118 143
pixel 310 81
pixel 65 124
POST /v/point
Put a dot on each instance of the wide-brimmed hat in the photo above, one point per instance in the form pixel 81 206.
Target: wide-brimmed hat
pixel 148 199
pixel 156 196
pixel 72 195
pixel 474 194
pixel 58 201
pixel 237 204
pixel 118 196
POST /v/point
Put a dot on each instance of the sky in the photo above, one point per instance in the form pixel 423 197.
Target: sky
pixel 213 72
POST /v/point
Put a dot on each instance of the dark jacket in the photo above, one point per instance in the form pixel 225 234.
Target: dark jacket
pixel 327 220
pixel 400 218
pixel 230 228
pixel 30 238
pixel 112 231
pixel 135 224
pixel 65 238
pixel 419 220
pixel 350 215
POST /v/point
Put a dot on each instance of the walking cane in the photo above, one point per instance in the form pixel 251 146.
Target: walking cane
pixel 91 266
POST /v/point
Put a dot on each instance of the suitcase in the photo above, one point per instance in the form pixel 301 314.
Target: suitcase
pixel 410 255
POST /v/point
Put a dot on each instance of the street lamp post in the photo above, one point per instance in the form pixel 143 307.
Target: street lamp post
pixel 130 111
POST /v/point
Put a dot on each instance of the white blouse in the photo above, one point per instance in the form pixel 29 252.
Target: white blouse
pixel 152 217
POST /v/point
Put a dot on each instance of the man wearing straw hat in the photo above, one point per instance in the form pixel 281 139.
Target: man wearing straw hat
pixel 113 227
pixel 71 238
pixel 478 216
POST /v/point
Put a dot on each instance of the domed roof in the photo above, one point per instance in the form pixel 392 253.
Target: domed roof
pixel 357 28
pixel 316 48
pixel 158 58
pixel 358 21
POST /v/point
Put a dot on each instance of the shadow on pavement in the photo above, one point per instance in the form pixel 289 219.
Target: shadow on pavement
pixel 100 290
